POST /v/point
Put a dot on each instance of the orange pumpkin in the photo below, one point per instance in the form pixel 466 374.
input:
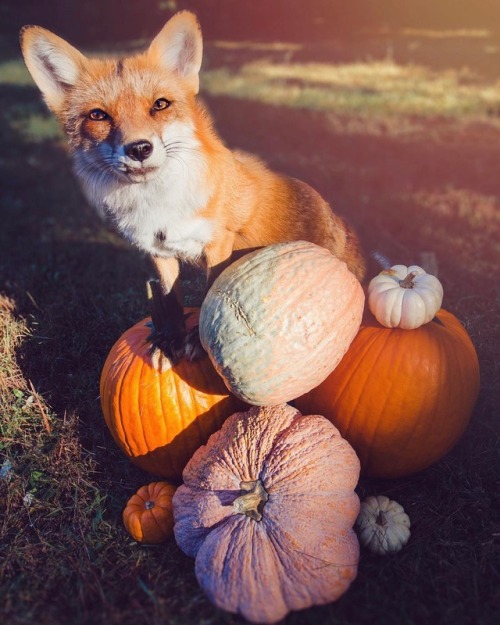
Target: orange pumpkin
pixel 402 398
pixel 148 515
pixel 157 413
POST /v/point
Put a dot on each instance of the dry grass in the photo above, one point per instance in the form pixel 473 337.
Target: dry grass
pixel 411 156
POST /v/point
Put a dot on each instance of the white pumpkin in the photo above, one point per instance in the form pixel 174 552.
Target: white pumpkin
pixel 404 297
pixel 383 525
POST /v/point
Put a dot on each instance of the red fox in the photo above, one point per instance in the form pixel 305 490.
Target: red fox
pixel 149 160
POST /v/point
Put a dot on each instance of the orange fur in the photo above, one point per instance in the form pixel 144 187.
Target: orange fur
pixel 190 197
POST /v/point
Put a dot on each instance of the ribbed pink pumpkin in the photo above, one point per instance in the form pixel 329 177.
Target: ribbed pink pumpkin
pixel 277 321
pixel 267 508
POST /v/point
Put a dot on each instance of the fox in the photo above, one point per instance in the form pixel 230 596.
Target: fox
pixel 148 159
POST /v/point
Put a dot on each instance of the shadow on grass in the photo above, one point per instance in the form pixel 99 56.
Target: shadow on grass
pixel 433 187
pixel 406 190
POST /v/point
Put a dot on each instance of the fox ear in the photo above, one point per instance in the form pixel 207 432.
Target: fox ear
pixel 179 47
pixel 52 62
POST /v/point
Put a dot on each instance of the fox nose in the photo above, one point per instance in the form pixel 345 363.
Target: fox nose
pixel 139 150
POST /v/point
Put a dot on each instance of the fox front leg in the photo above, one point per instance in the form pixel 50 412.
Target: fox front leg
pixel 169 331
pixel 216 259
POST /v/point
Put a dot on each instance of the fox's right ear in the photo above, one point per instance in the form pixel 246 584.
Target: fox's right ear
pixel 179 47
pixel 52 62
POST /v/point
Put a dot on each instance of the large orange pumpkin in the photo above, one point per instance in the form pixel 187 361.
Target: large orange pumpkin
pixel 160 414
pixel 402 398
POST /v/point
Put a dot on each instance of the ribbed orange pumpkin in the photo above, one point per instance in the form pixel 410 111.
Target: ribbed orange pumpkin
pixel 158 414
pixel 148 515
pixel 402 398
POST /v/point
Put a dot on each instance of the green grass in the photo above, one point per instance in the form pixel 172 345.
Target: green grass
pixel 377 87
pixel 14 72
pixel 410 155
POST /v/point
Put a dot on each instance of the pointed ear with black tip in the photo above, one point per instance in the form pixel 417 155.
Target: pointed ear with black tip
pixel 179 47
pixel 53 63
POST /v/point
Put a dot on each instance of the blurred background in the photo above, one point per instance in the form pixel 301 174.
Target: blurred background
pixel 448 33
pixel 90 23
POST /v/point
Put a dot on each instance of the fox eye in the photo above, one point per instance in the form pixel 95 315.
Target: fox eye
pixel 97 115
pixel 161 103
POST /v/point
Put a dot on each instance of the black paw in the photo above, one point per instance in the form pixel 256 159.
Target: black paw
pixel 168 327
pixel 176 347
pixel 193 349
pixel 171 344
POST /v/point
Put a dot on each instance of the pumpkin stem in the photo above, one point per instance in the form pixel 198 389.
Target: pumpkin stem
pixel 149 504
pixel 409 281
pixel 381 519
pixel 252 502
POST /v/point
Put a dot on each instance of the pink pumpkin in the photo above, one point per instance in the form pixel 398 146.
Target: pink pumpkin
pixel 267 508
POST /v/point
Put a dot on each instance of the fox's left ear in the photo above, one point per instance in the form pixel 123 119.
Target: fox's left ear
pixel 179 47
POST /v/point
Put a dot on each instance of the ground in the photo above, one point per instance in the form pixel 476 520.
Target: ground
pixel 401 135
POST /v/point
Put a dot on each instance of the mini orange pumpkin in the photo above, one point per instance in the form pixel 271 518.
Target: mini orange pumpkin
pixel 157 413
pixel 402 398
pixel 148 515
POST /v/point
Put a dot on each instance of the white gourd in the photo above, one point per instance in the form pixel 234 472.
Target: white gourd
pixel 383 525
pixel 404 297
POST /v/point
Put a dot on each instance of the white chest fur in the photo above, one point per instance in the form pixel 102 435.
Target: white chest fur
pixel 160 219
pixel 160 215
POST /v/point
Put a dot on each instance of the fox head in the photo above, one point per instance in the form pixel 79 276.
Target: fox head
pixel 124 117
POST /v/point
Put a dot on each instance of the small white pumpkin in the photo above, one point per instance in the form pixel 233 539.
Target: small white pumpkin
pixel 383 525
pixel 404 297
